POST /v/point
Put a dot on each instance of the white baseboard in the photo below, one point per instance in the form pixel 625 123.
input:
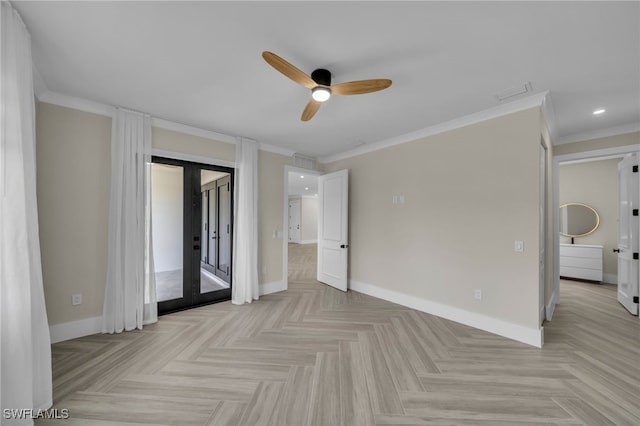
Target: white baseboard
pixel 89 326
pixel 551 306
pixel 530 336
pixel 272 287
pixel 75 329
pixel 610 278
pixel 308 242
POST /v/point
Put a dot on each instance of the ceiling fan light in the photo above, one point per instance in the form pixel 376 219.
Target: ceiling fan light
pixel 320 94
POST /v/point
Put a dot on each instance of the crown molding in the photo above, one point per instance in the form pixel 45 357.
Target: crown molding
pixel 107 110
pixel 600 133
pixel 532 101
pixel 275 149
pixel 76 103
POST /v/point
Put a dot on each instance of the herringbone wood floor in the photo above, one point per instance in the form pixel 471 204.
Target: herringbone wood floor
pixel 314 355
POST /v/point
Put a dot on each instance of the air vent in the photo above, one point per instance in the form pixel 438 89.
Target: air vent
pixel 305 162
pixel 513 92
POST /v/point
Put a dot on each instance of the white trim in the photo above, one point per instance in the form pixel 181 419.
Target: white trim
pixel 75 329
pixel 271 287
pixel 193 158
pixel 530 336
pixel 589 160
pixel 308 242
pixel 610 278
pixel 598 134
pixel 106 110
pixel 596 154
pixel 478 117
pixel 76 103
pixel 275 149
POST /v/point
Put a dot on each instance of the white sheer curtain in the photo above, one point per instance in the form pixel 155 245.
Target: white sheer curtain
pixel 25 347
pixel 130 292
pixel 245 227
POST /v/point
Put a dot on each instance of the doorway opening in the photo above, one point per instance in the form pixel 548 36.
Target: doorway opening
pixel 192 231
pixel 301 226
pixel 574 256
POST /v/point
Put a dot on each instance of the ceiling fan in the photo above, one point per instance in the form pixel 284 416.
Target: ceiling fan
pixel 320 84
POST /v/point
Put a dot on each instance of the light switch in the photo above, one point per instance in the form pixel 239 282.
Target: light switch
pixel 518 246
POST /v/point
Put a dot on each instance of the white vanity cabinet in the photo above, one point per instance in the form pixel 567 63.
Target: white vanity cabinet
pixel 581 261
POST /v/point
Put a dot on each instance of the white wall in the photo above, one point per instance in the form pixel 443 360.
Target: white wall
pixel 167 209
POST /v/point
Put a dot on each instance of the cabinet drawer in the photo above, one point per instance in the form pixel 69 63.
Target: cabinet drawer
pixel 585 252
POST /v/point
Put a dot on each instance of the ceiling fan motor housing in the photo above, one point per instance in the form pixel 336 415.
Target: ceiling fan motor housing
pixel 322 77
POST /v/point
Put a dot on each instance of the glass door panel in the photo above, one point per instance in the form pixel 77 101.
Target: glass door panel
pixel 212 183
pixel 167 202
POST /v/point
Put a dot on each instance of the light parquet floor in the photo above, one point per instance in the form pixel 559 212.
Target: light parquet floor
pixel 316 356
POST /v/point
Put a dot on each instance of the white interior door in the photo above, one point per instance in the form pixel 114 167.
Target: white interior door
pixel 333 229
pixel 294 220
pixel 628 233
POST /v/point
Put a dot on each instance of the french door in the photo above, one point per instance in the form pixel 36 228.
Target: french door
pixel 628 247
pixel 216 227
pixel 192 231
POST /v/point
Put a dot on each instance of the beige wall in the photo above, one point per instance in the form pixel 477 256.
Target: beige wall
pixel 601 143
pixel 271 214
pixel 309 219
pixel 73 181
pixel 596 184
pixel 470 193
pixel 73 168
pixel 169 140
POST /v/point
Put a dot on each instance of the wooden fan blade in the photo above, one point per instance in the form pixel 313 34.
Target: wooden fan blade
pixel 360 87
pixel 289 70
pixel 310 110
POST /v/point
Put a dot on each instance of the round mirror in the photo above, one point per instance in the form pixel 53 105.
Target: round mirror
pixel 578 220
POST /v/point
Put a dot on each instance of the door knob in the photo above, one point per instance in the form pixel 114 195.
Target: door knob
pixel 344 245
pixel 616 250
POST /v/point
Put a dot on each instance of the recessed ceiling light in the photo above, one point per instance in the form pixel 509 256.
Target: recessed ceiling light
pixel 599 111
pixel 306 188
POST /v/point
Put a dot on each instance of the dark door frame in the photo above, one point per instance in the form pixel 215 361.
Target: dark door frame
pixel 192 230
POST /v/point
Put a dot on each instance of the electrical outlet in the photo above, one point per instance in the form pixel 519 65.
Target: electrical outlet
pixel 76 299
pixel 518 246
pixel 477 294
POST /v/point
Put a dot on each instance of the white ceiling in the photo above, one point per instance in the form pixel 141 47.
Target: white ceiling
pixel 303 184
pixel 200 64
